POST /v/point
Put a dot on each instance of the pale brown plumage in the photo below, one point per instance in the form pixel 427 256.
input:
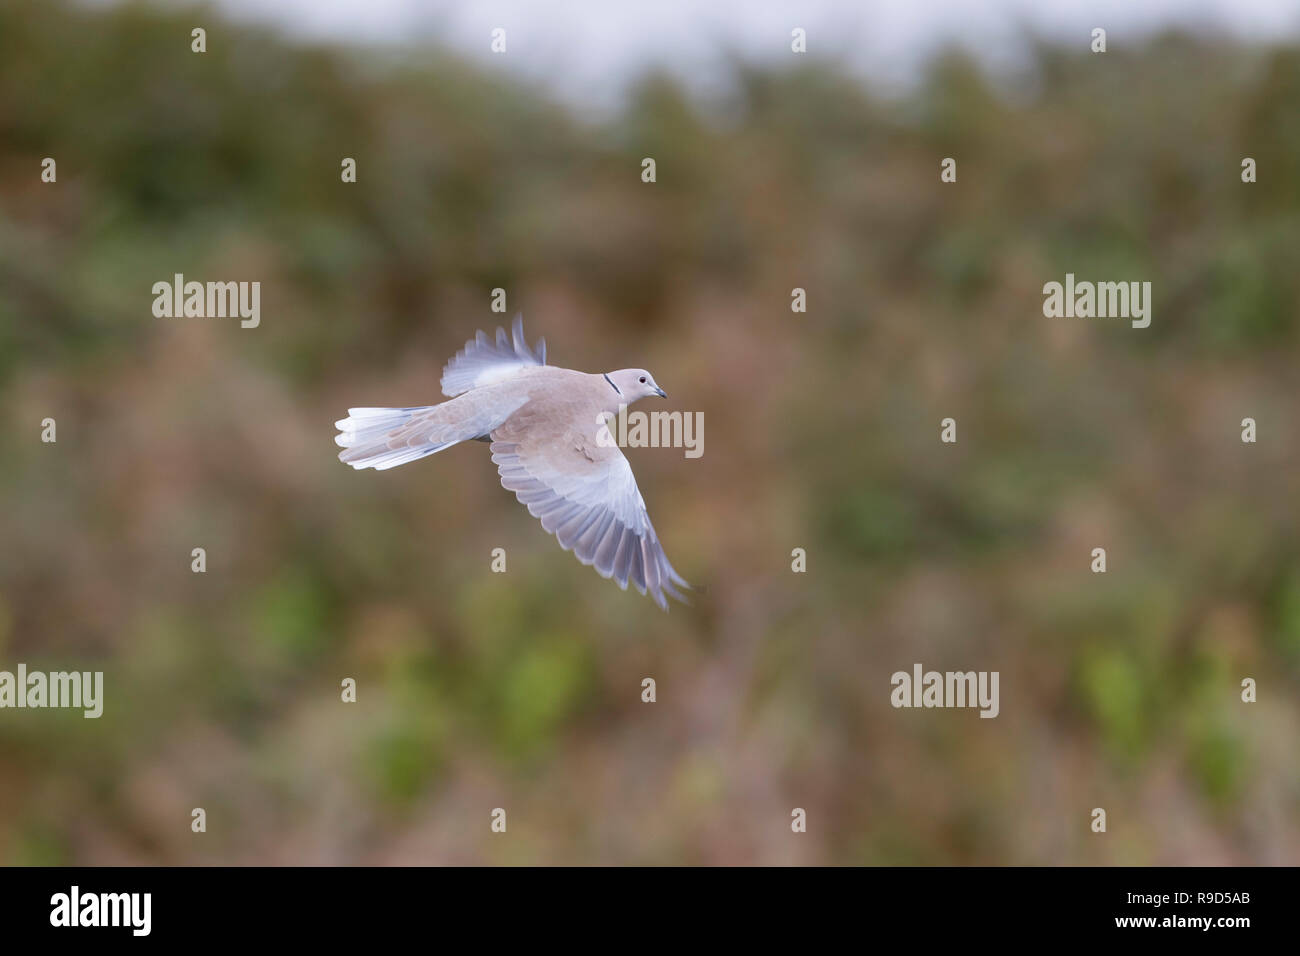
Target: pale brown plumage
pixel 545 425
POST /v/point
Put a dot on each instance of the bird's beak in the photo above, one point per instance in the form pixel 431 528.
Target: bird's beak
pixel 661 392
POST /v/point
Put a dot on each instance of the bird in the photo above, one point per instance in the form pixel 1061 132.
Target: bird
pixel 545 426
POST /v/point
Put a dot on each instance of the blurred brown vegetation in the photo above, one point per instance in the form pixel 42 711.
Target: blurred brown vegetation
pixel 479 690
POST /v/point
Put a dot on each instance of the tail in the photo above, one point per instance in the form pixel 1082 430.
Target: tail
pixel 383 438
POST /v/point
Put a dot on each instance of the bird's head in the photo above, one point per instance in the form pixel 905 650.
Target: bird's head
pixel 634 384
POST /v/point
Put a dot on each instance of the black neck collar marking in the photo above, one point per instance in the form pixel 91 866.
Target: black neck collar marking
pixel 612 385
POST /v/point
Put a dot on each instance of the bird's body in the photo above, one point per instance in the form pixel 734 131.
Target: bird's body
pixel 550 444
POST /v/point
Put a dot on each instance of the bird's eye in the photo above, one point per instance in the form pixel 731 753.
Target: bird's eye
pixel 642 379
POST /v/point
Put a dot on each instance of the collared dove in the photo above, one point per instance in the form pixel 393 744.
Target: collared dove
pixel 544 424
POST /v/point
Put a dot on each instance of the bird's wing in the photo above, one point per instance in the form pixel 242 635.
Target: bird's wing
pixel 483 362
pixel 583 491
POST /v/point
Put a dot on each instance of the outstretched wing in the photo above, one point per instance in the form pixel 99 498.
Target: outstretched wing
pixel 482 361
pixel 584 493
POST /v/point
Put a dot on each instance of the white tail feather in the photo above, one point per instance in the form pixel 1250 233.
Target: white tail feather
pixel 365 435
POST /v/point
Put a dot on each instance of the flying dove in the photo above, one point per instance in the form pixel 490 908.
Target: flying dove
pixel 544 424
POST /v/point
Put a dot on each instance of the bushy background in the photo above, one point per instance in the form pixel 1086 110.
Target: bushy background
pixel 522 690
